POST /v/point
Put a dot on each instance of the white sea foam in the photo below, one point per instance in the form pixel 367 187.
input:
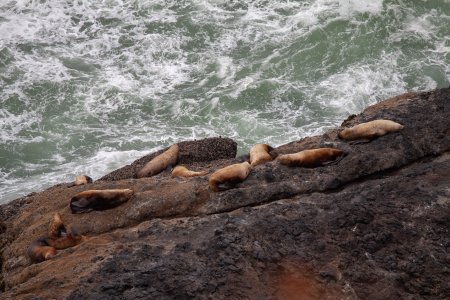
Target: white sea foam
pixel 349 7
pixel 11 125
pixel 98 165
pixel 362 85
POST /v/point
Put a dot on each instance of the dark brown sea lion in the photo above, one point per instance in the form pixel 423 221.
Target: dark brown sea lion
pixel 45 247
pixel 229 175
pixel 370 130
pixel 99 199
pixel 160 162
pixel 39 251
pixel 182 171
pixel 310 158
pixel 259 154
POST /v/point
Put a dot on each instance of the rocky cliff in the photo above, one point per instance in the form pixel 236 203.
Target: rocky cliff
pixel 374 225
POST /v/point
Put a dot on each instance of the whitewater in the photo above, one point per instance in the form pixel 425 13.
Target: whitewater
pixel 87 86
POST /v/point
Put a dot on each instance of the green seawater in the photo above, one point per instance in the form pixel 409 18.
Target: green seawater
pixel 89 86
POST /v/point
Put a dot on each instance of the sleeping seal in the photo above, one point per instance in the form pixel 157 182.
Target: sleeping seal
pixel 370 130
pixel 259 154
pixel 99 199
pixel 229 175
pixel 182 171
pixel 310 158
pixel 160 162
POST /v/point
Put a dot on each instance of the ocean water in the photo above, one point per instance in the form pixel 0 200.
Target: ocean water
pixel 87 86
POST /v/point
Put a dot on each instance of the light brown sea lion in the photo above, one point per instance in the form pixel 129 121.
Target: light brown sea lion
pixel 39 251
pixel 310 158
pixel 259 154
pixel 370 130
pixel 82 179
pixel 160 162
pixel 99 199
pixel 229 175
pixel 182 171
pixel 57 228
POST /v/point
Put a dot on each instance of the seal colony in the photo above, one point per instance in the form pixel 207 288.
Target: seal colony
pixel 61 237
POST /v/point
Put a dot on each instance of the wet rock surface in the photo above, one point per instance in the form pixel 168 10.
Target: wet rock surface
pixel 373 225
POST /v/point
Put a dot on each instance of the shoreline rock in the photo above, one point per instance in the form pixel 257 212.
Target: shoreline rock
pixel 374 225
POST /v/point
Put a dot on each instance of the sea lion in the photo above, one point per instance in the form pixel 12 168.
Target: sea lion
pixel 259 154
pixel 230 175
pixel 160 162
pixel 82 179
pixel 310 158
pixel 182 171
pixel 45 247
pixel 57 228
pixel 99 199
pixel 59 237
pixel 370 130
pixel 67 241
pixel 39 251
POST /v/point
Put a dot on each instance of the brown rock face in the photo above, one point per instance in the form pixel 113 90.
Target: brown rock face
pixel 373 225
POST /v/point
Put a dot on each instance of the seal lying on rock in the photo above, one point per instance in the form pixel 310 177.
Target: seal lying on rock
pixel 160 162
pixel 182 171
pixel 229 175
pixel 259 154
pixel 39 251
pixel 62 237
pixel 82 179
pixel 59 237
pixel 99 199
pixel 370 130
pixel 310 158
pixel 67 241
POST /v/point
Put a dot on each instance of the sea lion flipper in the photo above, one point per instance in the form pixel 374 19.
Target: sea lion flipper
pixel 80 202
pixel 273 153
